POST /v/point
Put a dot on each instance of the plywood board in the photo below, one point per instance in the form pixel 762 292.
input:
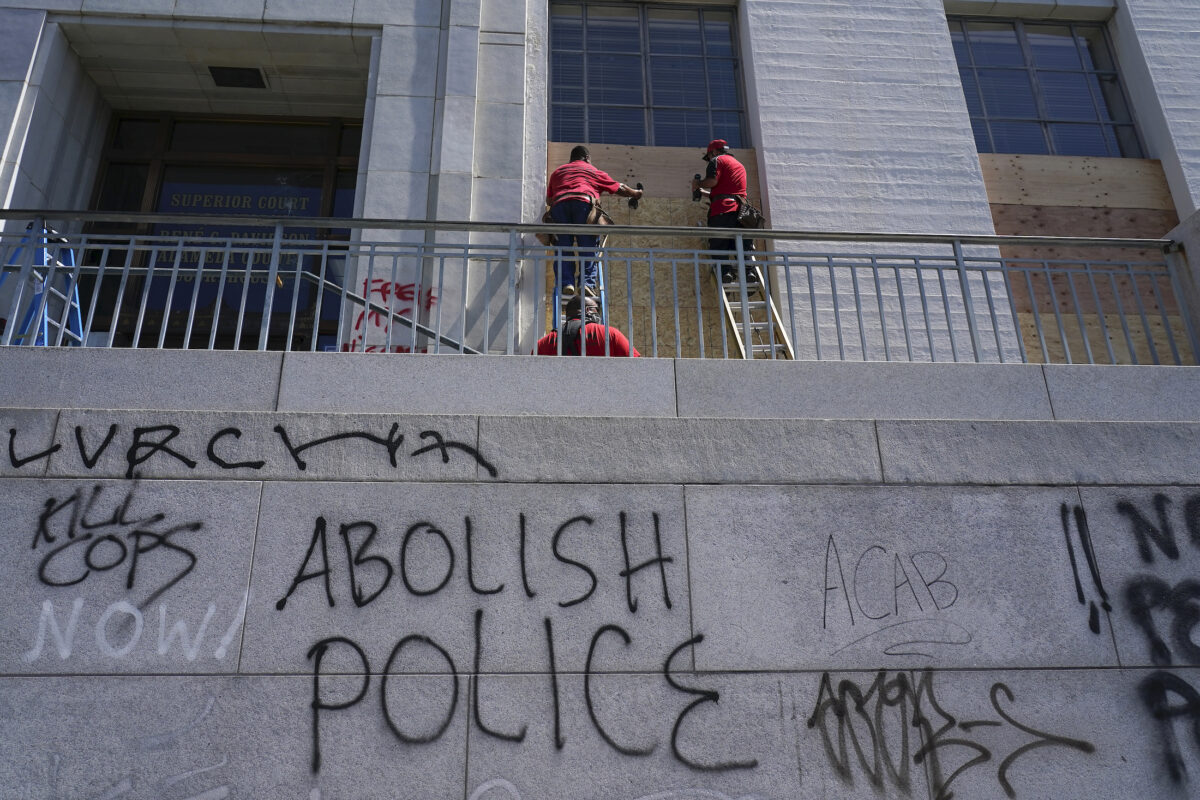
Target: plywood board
pixel 1133 223
pixel 663 171
pixel 1075 181
pixel 1099 328
pixel 1112 288
pixel 700 323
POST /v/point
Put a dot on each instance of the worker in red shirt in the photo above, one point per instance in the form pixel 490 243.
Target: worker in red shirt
pixel 725 184
pixel 571 193
pixel 593 334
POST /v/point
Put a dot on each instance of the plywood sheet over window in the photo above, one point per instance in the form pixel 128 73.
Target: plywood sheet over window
pixel 1085 196
pixel 1076 182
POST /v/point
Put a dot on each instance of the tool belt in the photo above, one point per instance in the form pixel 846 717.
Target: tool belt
pixel 596 216
pixel 747 215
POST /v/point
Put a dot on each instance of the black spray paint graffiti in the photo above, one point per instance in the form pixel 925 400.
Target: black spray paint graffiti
pixel 1169 698
pixel 1156 691
pixel 1145 594
pixel 882 590
pixel 882 581
pixel 1089 555
pixel 362 566
pixel 876 721
pixel 155 440
pixel 90 532
pixel 396 726
pixel 366 574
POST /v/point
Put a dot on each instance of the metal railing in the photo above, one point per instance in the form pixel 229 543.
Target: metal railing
pixel 360 285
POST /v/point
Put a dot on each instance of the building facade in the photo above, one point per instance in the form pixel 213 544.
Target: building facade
pixel 329 575
pixel 1046 118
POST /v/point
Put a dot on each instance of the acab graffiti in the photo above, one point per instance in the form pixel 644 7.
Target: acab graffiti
pixel 884 729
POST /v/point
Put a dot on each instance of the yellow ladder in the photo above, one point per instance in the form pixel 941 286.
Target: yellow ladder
pixel 753 316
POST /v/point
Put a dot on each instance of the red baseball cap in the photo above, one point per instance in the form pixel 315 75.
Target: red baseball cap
pixel 716 146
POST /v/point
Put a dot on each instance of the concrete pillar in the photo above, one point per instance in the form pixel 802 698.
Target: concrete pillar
pixel 1185 264
pixel 22 32
pixel 859 118
pixel 1156 46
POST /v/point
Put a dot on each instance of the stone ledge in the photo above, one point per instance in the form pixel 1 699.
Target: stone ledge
pixel 587 450
pixel 1082 453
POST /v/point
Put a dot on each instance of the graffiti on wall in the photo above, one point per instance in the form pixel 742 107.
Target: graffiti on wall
pixel 896 596
pixel 362 571
pixel 101 537
pixel 120 569
pixel 375 329
pixel 897 724
pixel 225 448
pixel 1166 533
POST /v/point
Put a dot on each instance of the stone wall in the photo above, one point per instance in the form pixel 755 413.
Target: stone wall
pixel 324 576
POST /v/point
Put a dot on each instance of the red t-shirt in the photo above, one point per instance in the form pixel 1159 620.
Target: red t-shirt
pixel 731 179
pixel 593 337
pixel 580 177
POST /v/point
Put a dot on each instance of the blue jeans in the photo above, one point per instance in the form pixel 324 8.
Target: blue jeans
pixel 577 252
pixel 726 220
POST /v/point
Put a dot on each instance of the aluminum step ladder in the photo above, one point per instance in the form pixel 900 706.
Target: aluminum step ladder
pixel 53 316
pixel 752 316
pixel 560 299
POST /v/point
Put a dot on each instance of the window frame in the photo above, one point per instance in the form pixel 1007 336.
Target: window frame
pixel 1116 145
pixel 648 107
pixel 163 154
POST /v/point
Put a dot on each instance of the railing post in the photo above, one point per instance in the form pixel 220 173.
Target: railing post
pixel 961 264
pixel 513 237
pixel 747 327
pixel 269 297
pixel 1187 293
pixel 32 240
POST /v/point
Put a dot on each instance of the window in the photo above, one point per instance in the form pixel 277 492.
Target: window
pixel 201 165
pixel 644 75
pixel 1049 88
pixel 152 159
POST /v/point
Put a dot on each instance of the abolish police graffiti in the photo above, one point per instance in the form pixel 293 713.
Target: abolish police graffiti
pixel 366 561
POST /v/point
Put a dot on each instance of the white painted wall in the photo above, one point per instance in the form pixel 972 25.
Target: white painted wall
pixel 859 124
pixel 451 139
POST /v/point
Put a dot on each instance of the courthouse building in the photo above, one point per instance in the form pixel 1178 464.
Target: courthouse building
pixel 1071 118
pixel 245 559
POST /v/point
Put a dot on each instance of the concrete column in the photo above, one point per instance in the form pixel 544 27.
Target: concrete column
pixel 1186 265
pixel 402 129
pixel 1156 46
pixel 22 32
pixel 859 118
pixel 394 173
